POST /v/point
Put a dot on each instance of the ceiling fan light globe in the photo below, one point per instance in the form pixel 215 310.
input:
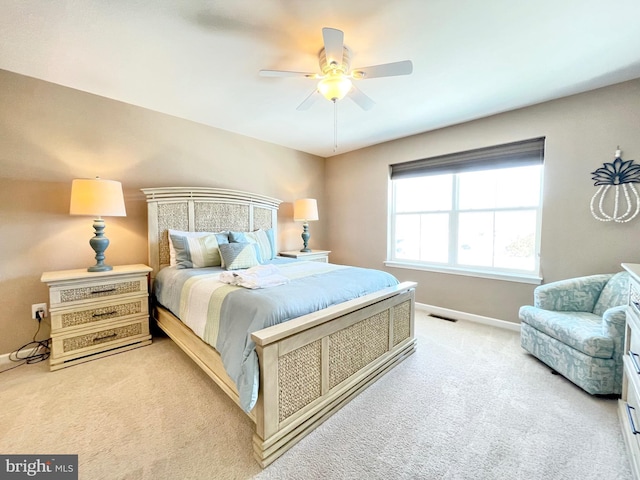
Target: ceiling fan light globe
pixel 334 88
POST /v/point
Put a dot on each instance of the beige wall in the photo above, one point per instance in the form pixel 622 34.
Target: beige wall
pixel 50 134
pixel 581 131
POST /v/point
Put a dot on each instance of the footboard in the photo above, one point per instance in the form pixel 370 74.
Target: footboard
pixel 312 365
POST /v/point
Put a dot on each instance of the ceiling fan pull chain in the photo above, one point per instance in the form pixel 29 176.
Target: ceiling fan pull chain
pixel 335 125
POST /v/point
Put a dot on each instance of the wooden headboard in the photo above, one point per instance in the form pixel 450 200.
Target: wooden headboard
pixel 202 209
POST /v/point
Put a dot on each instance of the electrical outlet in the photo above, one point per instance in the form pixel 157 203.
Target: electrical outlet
pixel 39 307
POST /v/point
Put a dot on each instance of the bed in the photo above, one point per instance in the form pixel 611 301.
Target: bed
pixel 309 366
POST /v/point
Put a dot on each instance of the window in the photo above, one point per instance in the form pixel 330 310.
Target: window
pixel 475 212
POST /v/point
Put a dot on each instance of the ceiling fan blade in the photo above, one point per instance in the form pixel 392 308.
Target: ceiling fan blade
pixel 333 45
pixel 404 67
pixel 310 100
pixel 360 98
pixel 284 73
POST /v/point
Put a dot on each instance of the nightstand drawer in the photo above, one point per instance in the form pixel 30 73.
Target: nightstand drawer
pixel 99 312
pixel 72 294
pixel 101 339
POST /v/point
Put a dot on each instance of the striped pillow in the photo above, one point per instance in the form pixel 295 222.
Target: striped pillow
pixel 264 244
pixel 172 250
pixel 196 252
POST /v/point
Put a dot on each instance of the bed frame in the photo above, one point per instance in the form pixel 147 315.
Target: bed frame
pixel 309 366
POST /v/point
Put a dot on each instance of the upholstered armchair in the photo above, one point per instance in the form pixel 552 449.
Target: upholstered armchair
pixel 577 327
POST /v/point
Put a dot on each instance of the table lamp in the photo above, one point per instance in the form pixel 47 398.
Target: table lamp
pixel 305 210
pixel 98 198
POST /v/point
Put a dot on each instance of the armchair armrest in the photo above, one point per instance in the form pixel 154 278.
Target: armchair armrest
pixel 614 326
pixel 571 295
pixel 614 321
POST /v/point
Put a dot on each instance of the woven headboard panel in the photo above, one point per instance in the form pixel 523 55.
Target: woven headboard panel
pixel 202 209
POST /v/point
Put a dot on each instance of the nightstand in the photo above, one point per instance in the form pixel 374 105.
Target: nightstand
pixel 95 314
pixel 313 255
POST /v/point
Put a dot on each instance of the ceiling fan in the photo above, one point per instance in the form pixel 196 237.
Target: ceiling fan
pixel 336 77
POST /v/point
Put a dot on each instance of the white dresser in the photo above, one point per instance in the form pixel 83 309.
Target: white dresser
pixel 629 404
pixel 94 314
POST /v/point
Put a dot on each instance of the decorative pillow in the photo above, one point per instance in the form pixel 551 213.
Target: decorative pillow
pixel 237 237
pixel 222 237
pixel 196 252
pixel 261 238
pixel 248 237
pixel 238 255
pixel 172 250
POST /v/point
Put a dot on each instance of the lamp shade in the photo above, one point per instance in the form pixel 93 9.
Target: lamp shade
pixel 305 209
pixel 97 197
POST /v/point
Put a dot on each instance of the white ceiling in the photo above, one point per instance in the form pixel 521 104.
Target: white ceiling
pixel 199 59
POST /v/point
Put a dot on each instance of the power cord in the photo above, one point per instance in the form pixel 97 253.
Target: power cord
pixel 32 352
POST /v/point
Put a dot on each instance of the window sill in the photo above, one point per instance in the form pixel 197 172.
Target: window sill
pixel 508 277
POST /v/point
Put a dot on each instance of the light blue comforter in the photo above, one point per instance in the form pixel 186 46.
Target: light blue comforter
pixel 312 287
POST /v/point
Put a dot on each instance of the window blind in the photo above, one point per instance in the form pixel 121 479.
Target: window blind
pixel 517 154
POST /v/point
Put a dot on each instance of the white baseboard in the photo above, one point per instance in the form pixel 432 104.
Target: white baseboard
pixel 457 315
pixel 4 361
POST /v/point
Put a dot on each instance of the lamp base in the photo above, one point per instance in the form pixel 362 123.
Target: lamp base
pixel 99 243
pixel 305 237
pixel 100 268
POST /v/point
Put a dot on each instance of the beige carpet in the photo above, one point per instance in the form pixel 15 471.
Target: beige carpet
pixel 470 404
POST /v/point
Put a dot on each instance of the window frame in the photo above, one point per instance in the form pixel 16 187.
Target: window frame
pixel 448 164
